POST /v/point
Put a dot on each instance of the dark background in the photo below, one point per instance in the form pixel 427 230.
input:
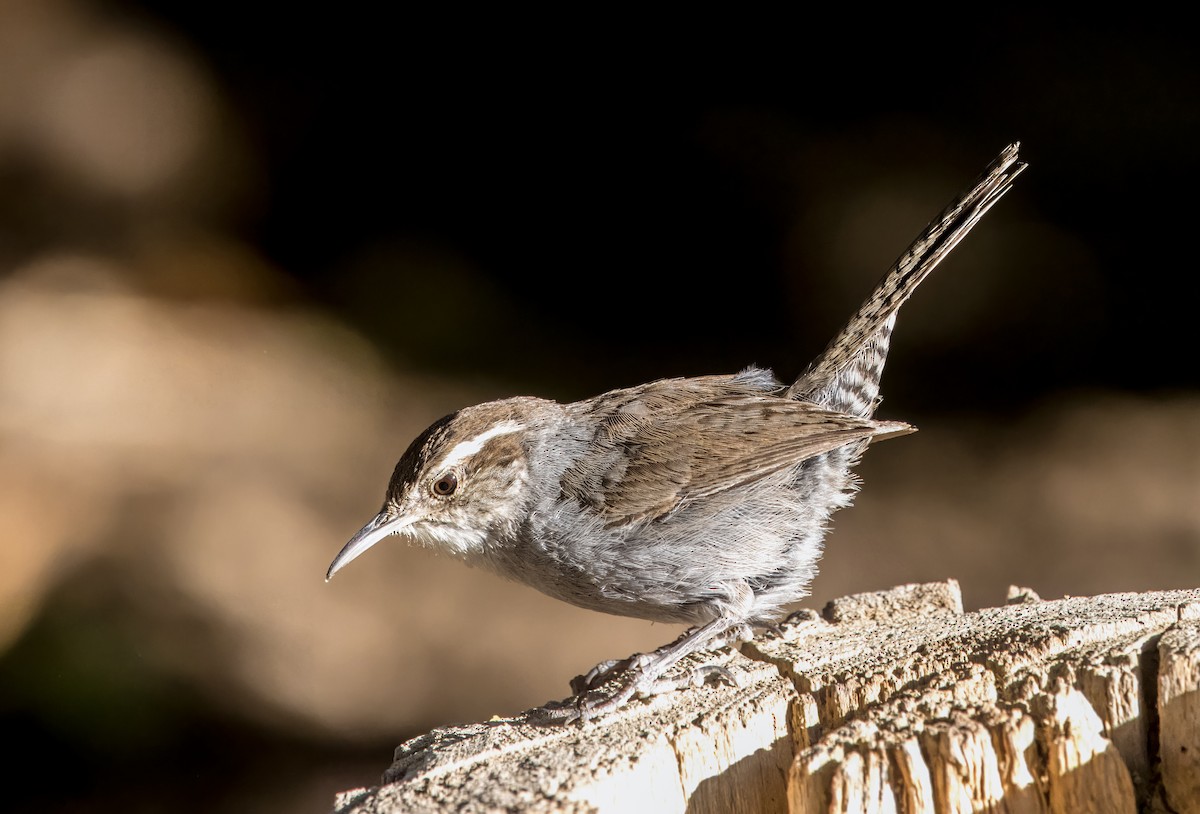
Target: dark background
pixel 628 193
pixel 563 206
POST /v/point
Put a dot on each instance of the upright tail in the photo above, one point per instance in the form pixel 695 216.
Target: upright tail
pixel 845 377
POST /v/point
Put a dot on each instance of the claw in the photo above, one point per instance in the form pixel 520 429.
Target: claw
pixel 776 630
pixel 600 674
pixel 718 672
pixel 555 712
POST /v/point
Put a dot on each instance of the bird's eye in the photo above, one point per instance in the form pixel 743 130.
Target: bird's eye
pixel 445 485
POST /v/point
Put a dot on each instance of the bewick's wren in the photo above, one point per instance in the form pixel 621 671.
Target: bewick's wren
pixel 702 501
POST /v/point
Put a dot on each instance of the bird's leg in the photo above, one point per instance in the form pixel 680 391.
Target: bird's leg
pixel 641 674
pixel 642 677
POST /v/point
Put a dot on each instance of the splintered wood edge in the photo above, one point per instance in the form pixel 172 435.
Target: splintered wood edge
pixel 894 700
pixel 1179 715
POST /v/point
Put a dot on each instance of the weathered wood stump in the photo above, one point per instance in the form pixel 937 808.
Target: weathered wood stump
pixel 887 702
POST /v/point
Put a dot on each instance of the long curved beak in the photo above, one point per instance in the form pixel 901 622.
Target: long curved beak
pixel 383 525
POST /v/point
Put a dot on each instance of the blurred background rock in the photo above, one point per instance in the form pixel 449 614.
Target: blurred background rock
pixel 246 256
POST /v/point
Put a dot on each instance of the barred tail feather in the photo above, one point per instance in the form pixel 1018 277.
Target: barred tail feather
pixel 845 377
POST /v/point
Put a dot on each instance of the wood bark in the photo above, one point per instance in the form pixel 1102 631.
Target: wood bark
pixel 894 701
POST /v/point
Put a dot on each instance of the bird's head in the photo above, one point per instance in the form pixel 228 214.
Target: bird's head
pixel 460 484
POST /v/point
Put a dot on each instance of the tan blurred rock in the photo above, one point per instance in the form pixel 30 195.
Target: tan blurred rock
pixel 42 542
pixel 220 454
pixel 107 108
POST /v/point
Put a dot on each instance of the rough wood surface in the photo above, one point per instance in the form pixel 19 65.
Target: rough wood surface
pixel 894 701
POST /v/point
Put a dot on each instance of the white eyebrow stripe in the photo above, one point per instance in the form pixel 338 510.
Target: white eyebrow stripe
pixel 465 449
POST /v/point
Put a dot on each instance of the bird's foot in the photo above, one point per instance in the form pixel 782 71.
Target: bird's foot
pixel 611 684
pixel 616 684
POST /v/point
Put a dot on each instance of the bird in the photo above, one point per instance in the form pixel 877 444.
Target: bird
pixel 703 501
